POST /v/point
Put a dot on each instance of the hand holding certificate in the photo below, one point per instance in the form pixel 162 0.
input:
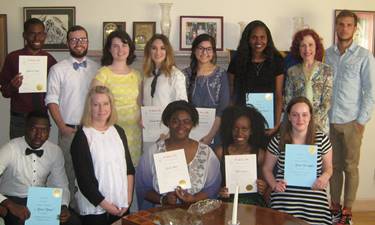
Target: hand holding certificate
pixel 241 171
pixel 44 205
pixel 171 171
pixel 300 165
pixel 34 72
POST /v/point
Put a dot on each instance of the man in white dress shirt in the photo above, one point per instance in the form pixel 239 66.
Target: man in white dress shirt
pixel 68 84
pixel 32 161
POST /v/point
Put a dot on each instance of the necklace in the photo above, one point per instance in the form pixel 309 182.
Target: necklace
pixel 258 67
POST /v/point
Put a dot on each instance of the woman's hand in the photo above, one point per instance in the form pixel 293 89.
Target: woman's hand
pixel 321 183
pixel 122 211
pixel 184 195
pixel 206 139
pixel 110 207
pixel 171 198
pixel 261 186
pixel 224 193
pixel 280 186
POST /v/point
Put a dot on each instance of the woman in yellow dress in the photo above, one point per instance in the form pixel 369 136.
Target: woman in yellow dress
pixel 125 84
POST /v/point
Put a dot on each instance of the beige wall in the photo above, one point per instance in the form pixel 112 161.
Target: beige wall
pixel 276 14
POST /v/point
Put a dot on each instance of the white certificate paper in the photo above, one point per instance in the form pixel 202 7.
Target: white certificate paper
pixel 171 171
pixel 152 124
pixel 241 170
pixel 206 120
pixel 34 72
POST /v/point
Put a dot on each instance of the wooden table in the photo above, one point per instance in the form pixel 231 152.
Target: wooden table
pixel 247 215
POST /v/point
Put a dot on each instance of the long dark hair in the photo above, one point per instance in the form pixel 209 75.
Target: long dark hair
pixel 258 124
pixel 107 58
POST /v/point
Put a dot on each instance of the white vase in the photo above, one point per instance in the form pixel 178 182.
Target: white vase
pixel 165 22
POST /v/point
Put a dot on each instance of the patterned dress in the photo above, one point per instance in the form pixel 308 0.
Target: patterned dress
pixel 301 202
pixel 125 89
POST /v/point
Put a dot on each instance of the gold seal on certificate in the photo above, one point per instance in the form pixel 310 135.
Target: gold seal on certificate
pixel 312 150
pixel 56 193
pixel 39 87
pixel 249 187
pixel 182 183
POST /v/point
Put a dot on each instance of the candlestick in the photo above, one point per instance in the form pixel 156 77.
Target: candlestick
pixel 235 207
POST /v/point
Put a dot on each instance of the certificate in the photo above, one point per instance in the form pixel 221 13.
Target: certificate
pixel 300 165
pixel 264 103
pixel 44 205
pixel 171 171
pixel 34 72
pixel 241 170
pixel 206 120
pixel 152 125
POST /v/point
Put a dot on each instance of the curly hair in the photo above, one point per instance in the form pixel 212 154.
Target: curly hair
pixel 297 39
pixel 258 138
pixel 169 61
pixel 180 105
pixel 107 58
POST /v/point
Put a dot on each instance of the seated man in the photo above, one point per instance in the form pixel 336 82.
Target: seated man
pixel 31 161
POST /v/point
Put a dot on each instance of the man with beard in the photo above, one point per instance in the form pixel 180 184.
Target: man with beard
pixel 34 36
pixel 351 108
pixel 68 84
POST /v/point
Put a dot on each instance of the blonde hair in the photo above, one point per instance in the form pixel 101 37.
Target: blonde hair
pixel 166 65
pixel 86 118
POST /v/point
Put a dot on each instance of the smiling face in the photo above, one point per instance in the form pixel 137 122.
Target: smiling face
pixel 204 52
pixel 180 125
pixel 35 37
pixel 345 28
pixel 119 50
pixel 241 130
pixel 78 43
pixel 300 117
pixel 258 40
pixel 100 108
pixel 37 132
pixel 158 52
pixel 307 49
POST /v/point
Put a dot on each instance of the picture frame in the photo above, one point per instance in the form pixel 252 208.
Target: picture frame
pixel 108 27
pixel 142 32
pixel 57 21
pixel 364 36
pixel 3 39
pixel 192 26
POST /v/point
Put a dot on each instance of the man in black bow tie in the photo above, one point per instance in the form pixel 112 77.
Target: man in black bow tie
pixel 68 84
pixel 32 161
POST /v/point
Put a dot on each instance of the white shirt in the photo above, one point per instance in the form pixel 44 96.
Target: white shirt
pixel 68 88
pixel 168 89
pixel 19 171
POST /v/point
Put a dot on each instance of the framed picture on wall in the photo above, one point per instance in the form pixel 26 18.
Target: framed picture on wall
pixel 108 27
pixel 364 36
pixel 192 26
pixel 142 32
pixel 3 39
pixel 57 21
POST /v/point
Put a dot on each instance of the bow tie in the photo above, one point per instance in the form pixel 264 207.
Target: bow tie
pixel 76 65
pixel 29 151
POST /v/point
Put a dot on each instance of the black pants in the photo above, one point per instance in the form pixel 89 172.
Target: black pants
pixel 11 219
pixel 101 219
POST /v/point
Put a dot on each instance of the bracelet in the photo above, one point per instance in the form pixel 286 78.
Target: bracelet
pixel 161 199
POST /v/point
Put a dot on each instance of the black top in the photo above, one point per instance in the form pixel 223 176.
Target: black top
pixel 84 168
pixel 259 78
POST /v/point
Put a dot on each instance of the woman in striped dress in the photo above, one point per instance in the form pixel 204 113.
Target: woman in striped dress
pixel 309 204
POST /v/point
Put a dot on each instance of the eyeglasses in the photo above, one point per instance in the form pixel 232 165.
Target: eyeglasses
pixel 75 41
pixel 208 50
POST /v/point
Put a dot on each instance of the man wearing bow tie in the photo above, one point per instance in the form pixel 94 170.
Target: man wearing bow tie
pixel 31 161
pixel 68 84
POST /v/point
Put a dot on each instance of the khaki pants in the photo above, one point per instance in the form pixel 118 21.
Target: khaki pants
pixel 346 143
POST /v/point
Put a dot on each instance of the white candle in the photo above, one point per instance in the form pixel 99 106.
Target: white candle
pixel 235 207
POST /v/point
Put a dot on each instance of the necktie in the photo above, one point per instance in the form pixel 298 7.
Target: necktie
pixel 156 74
pixel 29 151
pixel 76 65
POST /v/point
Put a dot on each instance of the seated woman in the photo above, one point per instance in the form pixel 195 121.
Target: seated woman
pixel 102 163
pixel 309 204
pixel 203 166
pixel 310 77
pixel 243 132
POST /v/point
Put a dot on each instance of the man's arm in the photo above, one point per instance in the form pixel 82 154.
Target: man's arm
pixel 56 115
pixel 10 80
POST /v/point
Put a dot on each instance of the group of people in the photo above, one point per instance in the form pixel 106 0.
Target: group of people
pixel 327 97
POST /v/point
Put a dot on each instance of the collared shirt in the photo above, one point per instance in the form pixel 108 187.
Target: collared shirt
pixel 353 91
pixel 22 103
pixel 19 171
pixel 68 88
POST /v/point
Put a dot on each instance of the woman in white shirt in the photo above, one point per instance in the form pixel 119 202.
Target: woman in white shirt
pixel 102 163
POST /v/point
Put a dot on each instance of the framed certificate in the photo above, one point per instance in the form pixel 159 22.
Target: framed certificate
pixel 264 102
pixel 34 72
pixel 300 165
pixel 44 205
pixel 241 170
pixel 171 171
